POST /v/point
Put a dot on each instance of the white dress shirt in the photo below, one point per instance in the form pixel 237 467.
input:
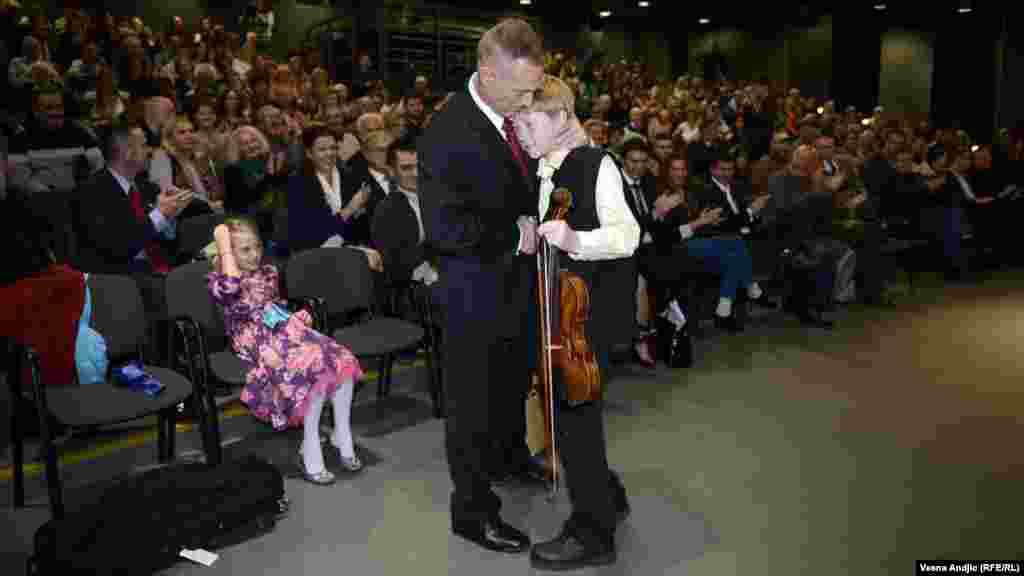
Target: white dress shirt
pixel 966 187
pixel 497 119
pixel 414 203
pixel 728 195
pixel 383 180
pixel 424 272
pixel 331 190
pixel 619 234
pixel 164 226
pixel 727 190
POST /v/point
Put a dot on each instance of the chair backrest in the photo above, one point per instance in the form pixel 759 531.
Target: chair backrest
pixel 188 295
pixel 118 314
pixel 281 232
pixel 196 232
pixel 54 209
pixel 340 276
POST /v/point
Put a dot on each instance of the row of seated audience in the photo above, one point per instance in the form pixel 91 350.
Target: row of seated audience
pixel 727 178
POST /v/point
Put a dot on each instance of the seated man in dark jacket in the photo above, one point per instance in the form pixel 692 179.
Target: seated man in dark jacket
pixel 397 227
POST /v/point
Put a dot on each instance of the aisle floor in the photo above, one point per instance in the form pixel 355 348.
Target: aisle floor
pixel 785 451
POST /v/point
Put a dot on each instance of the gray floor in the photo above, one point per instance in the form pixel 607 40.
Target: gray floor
pixel 785 451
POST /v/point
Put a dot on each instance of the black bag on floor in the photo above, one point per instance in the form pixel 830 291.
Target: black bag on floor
pixel 141 524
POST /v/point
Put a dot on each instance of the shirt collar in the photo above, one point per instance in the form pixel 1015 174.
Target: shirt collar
pixel 126 184
pixel 497 119
pixel 412 196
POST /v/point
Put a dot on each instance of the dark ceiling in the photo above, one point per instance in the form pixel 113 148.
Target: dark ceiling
pixel 670 15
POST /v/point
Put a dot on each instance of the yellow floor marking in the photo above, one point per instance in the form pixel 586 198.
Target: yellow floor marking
pixel 230 410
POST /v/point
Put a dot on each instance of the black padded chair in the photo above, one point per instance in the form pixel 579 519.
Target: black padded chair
pixel 414 300
pixel 54 209
pixel 201 344
pixel 343 284
pixel 196 233
pixel 119 316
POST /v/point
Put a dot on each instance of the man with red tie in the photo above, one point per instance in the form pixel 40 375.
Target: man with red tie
pixel 124 225
pixel 124 228
pixel 478 198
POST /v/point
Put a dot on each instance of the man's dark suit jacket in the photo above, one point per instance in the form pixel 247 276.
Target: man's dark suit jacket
pixel 109 235
pixel 396 234
pixel 471 194
pixel 310 221
pixel 711 196
pixel 357 173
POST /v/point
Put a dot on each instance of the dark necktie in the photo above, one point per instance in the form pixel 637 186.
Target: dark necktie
pixel 513 143
pixel 153 252
pixel 639 200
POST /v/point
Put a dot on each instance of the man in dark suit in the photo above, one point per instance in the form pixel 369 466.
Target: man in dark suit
pixel 397 227
pixel 478 191
pixel 733 197
pixel 367 173
pixel 124 225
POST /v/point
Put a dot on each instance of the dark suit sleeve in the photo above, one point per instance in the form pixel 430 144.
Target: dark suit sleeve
pixel 454 219
pixel 396 235
pixel 112 232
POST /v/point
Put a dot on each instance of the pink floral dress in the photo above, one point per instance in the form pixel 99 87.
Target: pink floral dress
pixel 289 360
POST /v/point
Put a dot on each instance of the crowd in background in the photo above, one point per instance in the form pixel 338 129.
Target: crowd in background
pixel 248 133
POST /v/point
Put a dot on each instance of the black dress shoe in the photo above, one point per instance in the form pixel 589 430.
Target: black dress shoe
pixel 567 552
pixel 494 535
pixel 622 511
pixel 530 474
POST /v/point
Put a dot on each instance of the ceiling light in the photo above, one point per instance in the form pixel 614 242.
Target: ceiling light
pixel 643 4
pixel 964 10
pixel 965 7
pixel 605 13
pixel 879 6
pixel 525 2
pixel 705 21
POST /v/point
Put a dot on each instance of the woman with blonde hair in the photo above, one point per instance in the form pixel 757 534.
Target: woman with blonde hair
pixel 598 240
pixel 173 165
pixel 246 170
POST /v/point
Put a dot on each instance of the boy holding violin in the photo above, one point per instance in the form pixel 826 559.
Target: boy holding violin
pixel 597 238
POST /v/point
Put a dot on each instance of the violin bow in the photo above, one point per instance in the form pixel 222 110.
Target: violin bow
pixel 544 271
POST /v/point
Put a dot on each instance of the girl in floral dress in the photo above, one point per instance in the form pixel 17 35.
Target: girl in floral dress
pixel 294 368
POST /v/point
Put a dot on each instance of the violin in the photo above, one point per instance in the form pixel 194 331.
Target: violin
pixel 564 307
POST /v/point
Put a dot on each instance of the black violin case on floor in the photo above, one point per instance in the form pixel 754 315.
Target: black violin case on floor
pixel 141 524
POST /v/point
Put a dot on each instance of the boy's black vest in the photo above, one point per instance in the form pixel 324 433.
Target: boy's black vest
pixel 612 283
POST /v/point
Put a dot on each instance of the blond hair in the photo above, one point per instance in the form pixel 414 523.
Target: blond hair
pixel 554 98
pixel 379 139
pixel 235 224
pixel 232 149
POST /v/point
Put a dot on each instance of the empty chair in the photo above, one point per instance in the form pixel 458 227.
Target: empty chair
pixel 196 233
pixel 343 282
pixel 118 315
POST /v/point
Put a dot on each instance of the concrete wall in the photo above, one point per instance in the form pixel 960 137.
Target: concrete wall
pixel 906 72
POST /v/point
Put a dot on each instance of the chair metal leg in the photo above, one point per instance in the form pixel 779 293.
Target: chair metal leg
pixel 381 375
pixel 161 436
pixel 53 484
pixel 172 438
pixel 17 439
pixel 389 363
